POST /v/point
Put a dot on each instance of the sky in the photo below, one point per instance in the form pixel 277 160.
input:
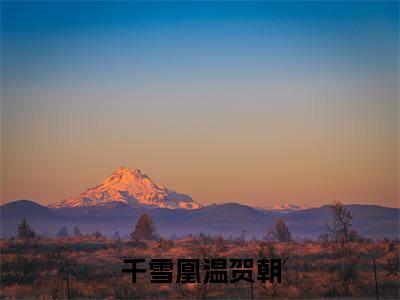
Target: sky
pixel 250 102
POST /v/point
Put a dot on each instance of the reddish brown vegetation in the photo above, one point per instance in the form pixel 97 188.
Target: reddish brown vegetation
pixel 82 267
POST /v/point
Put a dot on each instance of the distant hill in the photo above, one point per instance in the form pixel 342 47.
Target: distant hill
pixel 225 219
pixel 369 220
pixel 25 208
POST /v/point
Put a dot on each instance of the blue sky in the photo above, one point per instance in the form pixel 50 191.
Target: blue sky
pixel 51 40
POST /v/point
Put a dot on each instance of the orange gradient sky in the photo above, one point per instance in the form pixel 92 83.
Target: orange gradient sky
pixel 259 105
pixel 238 149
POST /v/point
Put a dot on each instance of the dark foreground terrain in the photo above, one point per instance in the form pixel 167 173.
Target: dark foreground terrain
pixel 88 267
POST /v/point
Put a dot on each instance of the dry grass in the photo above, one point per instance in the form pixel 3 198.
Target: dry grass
pixel 91 268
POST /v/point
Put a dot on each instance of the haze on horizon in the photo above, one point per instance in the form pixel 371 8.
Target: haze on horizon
pixel 256 103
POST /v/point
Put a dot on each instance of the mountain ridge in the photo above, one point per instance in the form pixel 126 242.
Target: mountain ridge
pixel 129 187
pixel 227 219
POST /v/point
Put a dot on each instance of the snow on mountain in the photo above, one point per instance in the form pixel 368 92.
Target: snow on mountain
pixel 284 207
pixel 129 187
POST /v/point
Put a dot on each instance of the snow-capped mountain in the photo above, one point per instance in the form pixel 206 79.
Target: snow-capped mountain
pixel 284 207
pixel 129 187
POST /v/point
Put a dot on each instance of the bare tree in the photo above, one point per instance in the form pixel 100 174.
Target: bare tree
pixel 77 232
pixel 340 225
pixel 340 228
pixel 97 234
pixel 116 236
pixel 63 232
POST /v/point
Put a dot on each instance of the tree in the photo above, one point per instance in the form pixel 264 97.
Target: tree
pixel 145 229
pixel 63 232
pixel 116 235
pixel 77 232
pixel 25 231
pixel 280 232
pixel 97 234
pixel 340 225
pixel 173 237
pixel 347 258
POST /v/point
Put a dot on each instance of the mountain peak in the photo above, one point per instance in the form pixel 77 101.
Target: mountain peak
pixel 285 207
pixel 123 169
pixel 125 174
pixel 130 187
